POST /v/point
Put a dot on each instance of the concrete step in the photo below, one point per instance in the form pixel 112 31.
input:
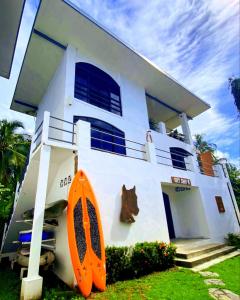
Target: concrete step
pixel 198 250
pixel 215 261
pixel 200 259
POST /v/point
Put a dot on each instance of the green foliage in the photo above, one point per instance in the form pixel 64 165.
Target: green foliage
pixel 118 263
pixel 177 135
pixel 144 258
pixel 234 176
pixel 13 151
pixel 233 239
pixel 6 196
pixel 203 146
pixel 153 125
pixel 235 89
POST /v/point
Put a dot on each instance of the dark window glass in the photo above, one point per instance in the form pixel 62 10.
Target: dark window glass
pixel 105 136
pixel 178 157
pixel 96 87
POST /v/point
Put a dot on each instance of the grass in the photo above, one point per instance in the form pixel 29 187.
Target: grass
pixel 229 273
pixel 169 285
pixel 9 284
pixel 174 284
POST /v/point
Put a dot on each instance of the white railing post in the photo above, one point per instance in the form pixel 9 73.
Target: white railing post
pixel 162 128
pixel 45 126
pixel 83 139
pixel 32 284
pixel 185 128
pixel 150 148
pixel 151 153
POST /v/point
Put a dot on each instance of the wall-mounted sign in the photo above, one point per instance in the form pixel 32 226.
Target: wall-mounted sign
pixel 180 180
pixel 220 204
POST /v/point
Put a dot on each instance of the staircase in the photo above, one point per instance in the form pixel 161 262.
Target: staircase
pixel 192 255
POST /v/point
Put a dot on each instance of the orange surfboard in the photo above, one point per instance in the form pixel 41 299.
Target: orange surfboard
pixel 85 236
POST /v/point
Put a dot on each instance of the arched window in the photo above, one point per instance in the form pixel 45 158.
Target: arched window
pixel 105 136
pixel 178 157
pixel 96 87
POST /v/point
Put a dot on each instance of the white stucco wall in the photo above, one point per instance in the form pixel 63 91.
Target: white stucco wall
pixel 134 119
pixel 219 223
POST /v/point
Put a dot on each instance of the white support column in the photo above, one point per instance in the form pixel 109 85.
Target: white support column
pixel 45 126
pixel 185 128
pixel 162 128
pixel 70 60
pixel 32 284
pixel 83 136
pixel 218 171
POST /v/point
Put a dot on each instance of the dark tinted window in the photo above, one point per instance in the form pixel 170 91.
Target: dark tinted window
pixel 105 136
pixel 96 87
pixel 178 157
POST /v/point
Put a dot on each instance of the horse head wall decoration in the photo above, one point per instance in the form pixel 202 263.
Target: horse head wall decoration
pixel 129 205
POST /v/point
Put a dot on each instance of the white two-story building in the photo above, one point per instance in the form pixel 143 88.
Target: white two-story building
pixel 95 100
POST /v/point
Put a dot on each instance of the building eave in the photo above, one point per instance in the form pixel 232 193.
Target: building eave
pixel 79 26
pixel 11 12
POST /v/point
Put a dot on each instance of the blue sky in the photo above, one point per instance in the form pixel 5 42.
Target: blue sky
pixel 197 42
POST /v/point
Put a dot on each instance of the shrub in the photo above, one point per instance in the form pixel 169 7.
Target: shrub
pixel 118 263
pixel 233 239
pixel 132 262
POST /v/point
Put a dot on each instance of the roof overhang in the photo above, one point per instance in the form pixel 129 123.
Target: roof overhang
pixel 61 22
pixel 10 18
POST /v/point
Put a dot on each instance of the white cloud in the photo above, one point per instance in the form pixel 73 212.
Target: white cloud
pixel 194 41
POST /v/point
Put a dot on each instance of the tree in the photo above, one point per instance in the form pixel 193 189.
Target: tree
pixel 234 176
pixel 13 151
pixel 6 196
pixel 235 89
pixel 203 146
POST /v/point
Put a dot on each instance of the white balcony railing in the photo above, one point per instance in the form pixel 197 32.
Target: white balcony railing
pixel 56 131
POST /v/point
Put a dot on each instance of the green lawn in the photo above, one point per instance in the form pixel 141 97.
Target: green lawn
pixel 229 272
pixel 175 284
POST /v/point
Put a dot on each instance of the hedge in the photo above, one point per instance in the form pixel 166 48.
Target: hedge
pixel 141 259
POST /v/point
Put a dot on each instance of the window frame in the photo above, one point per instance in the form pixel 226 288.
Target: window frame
pixel 110 138
pixel 94 86
pixel 178 158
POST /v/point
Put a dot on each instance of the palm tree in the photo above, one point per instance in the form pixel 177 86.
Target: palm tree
pixel 203 146
pixel 13 152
